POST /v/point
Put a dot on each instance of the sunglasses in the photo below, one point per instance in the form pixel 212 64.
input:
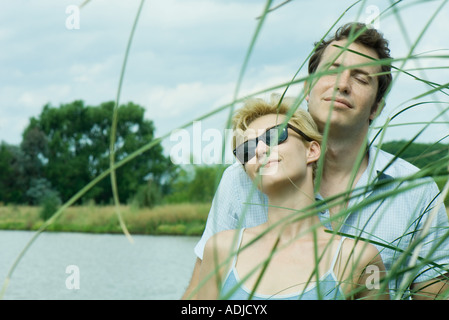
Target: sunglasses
pixel 271 137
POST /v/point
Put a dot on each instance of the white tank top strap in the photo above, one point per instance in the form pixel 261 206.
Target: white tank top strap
pixel 334 260
pixel 237 247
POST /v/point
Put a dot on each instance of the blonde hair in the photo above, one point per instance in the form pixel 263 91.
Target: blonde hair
pixel 256 107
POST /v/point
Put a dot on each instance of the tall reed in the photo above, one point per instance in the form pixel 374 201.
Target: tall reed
pixel 436 94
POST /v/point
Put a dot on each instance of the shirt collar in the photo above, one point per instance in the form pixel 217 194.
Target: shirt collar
pixel 377 166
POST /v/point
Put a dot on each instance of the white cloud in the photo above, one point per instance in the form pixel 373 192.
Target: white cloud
pixel 185 98
pixel 90 73
pixel 29 99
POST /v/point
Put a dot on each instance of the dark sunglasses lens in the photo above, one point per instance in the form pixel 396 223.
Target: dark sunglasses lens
pixel 276 136
pixel 272 137
pixel 246 151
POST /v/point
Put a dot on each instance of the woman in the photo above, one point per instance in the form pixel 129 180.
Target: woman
pixel 290 256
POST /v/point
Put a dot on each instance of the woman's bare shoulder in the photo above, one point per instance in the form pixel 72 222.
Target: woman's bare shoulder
pixel 363 252
pixel 222 242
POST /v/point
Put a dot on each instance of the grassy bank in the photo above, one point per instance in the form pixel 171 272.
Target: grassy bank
pixel 176 219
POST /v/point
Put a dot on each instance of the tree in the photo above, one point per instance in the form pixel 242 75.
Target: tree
pixel 430 157
pixel 12 183
pixel 419 154
pixel 194 183
pixel 71 143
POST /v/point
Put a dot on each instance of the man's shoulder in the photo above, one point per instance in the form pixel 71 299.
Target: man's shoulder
pixel 235 169
pixel 391 165
pixel 234 177
pixel 405 173
pixel 233 173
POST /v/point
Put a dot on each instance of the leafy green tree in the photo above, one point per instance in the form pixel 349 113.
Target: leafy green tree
pixel 74 148
pixel 203 186
pixel 12 184
pixel 419 154
pixel 39 190
pixel 148 195
pixel 35 148
pixel 195 183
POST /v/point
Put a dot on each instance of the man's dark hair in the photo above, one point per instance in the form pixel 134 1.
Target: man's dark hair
pixel 368 37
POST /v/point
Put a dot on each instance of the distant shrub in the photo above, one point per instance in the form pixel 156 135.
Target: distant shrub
pixel 195 184
pixel 50 203
pixel 147 196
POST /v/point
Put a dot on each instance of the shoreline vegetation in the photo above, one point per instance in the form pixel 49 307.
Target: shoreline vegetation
pixel 188 219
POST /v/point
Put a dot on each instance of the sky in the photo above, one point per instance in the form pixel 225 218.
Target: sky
pixel 187 55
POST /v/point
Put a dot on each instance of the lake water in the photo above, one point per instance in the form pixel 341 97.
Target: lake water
pixel 96 266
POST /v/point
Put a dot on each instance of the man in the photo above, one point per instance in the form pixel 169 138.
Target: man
pixel 361 186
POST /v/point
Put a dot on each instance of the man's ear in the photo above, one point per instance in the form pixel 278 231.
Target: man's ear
pixel 376 110
pixel 306 90
pixel 313 152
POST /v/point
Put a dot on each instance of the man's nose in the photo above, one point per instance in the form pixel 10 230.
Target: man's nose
pixel 343 84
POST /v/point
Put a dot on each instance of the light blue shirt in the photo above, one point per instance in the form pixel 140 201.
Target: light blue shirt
pixel 376 211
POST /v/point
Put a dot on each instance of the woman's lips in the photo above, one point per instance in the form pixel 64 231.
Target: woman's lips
pixel 268 164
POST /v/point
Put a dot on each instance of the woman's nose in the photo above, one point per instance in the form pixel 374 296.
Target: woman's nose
pixel 262 149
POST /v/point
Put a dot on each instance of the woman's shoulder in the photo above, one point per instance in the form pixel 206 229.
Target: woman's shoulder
pixel 362 252
pixel 223 242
